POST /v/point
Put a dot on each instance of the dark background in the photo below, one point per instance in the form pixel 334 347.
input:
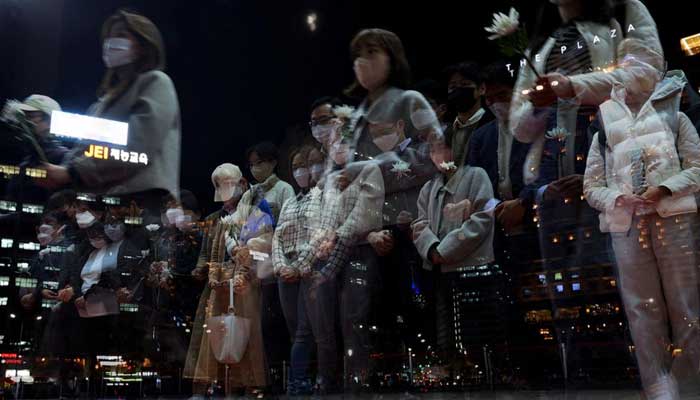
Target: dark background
pixel 246 71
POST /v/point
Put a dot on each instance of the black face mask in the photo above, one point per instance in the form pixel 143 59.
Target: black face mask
pixel 461 99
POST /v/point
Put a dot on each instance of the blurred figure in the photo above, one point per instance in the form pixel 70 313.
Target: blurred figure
pixel 269 192
pixel 38 108
pixel 390 128
pixel 200 366
pixel 493 148
pixel 464 111
pixel 338 255
pixel 554 113
pixel 643 177
pixel 173 289
pixel 322 120
pixel 454 229
pixel 434 93
pixel 305 319
pixel 316 165
pixel 135 90
pixel 65 203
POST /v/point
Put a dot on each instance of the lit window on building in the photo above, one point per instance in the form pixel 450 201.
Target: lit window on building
pixel 9 170
pixel 32 208
pixel 112 201
pixel 23 266
pixel 133 221
pixel 4 281
pixel 542 278
pixel 576 287
pixel 29 246
pixel 26 282
pixel 52 285
pixel 8 205
pixel 5 263
pixel 6 243
pixel 36 173
pixel 560 288
pixel 46 303
pixel 558 276
pixel 126 307
pixel 86 197
pixel 3 301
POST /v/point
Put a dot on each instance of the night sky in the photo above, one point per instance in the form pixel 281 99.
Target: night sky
pixel 247 71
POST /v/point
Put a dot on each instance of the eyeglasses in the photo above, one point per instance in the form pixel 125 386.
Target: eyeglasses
pixel 321 121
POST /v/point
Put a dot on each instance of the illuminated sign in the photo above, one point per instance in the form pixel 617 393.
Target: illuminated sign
pixel 691 45
pixel 89 128
pixel 106 153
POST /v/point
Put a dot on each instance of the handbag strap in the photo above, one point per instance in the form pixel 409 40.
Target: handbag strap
pixel 230 296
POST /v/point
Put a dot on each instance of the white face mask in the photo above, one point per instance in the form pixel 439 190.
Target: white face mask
pixel 184 223
pixel 98 243
pixel 424 118
pixel 316 171
pixel 44 239
pixel 322 132
pixel 386 142
pixel 84 219
pixel 115 232
pixel 172 214
pixel 226 191
pixel 302 175
pixel 370 73
pixel 117 52
pixel 500 110
pixel 262 171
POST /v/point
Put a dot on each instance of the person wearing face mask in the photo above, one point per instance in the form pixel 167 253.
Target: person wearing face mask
pixel 262 161
pixel 229 185
pixel 93 280
pixel 172 288
pixel 576 61
pixel 351 197
pixel 291 234
pixel 65 203
pixel 643 191
pixel 137 91
pixel 57 333
pixel 465 113
pixel 322 120
pixel 454 229
pixel 493 148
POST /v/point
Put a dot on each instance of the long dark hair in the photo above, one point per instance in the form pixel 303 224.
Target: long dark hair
pixel 400 71
pixel 151 42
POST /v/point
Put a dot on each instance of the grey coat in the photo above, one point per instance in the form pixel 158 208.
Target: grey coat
pixel 460 243
pixel 151 108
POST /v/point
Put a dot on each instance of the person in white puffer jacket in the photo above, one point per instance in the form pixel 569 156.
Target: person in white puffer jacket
pixel 642 177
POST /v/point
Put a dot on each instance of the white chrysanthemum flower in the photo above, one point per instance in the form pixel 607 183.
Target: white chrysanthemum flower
pixel 11 111
pixel 343 111
pixel 228 220
pixel 401 168
pixel 503 25
pixel 448 166
pixel 152 227
pixel 557 133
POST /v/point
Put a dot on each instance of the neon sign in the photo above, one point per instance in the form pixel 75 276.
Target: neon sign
pixel 105 153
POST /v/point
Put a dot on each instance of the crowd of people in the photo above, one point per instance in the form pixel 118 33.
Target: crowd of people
pixel 590 144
